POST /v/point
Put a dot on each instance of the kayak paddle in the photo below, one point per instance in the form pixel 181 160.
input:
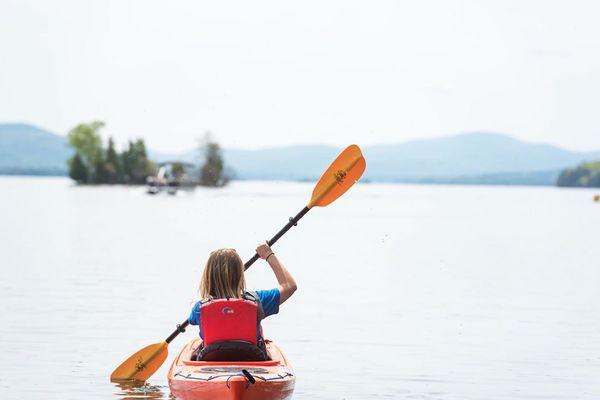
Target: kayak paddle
pixel 343 172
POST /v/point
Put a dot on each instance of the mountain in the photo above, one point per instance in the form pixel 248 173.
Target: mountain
pixel 29 150
pixel 283 163
pixel 472 158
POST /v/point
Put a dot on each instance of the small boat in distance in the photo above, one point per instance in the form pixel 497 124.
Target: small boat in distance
pixel 172 176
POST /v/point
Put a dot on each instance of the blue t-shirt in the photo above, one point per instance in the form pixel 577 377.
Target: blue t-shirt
pixel 268 298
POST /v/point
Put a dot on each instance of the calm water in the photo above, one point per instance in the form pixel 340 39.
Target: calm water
pixel 405 292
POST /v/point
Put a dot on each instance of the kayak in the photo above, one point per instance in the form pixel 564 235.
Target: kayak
pixel 231 380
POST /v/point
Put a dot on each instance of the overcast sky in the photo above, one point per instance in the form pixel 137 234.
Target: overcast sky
pixel 264 73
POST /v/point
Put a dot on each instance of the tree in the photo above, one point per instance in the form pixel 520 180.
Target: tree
pixel 77 169
pixel 112 163
pixel 136 166
pixel 86 141
pixel 584 175
pixel 100 175
pixel 212 172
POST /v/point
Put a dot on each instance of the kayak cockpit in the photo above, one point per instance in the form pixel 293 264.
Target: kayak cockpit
pixel 275 356
pixel 231 350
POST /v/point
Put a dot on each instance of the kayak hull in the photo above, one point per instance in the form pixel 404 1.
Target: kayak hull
pixel 209 380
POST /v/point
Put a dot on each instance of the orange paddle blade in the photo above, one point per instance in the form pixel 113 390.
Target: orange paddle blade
pixel 142 364
pixel 347 168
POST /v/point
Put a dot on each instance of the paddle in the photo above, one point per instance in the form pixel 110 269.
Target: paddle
pixel 345 170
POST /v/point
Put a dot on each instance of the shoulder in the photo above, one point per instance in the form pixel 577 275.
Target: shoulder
pixel 197 307
pixel 194 317
pixel 268 295
pixel 269 300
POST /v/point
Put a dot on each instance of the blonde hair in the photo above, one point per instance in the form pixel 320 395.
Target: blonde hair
pixel 223 276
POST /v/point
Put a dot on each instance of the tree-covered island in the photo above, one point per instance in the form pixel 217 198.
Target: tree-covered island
pixel 93 163
pixel 584 175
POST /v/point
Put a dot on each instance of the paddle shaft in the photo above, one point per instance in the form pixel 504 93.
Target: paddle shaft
pixel 180 328
pixel 292 222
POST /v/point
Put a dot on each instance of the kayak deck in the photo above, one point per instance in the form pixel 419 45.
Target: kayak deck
pixel 225 380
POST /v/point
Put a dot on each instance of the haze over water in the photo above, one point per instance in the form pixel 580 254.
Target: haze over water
pixel 405 292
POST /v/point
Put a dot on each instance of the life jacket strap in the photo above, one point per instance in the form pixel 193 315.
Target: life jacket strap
pixel 253 296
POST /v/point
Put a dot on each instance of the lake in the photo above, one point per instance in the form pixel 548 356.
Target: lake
pixel 405 291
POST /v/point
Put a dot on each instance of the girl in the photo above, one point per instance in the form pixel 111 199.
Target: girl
pixel 223 278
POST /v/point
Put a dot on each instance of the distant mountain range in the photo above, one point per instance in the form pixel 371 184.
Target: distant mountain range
pixel 29 150
pixel 471 158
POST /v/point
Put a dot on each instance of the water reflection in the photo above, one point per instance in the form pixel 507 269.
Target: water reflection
pixel 131 390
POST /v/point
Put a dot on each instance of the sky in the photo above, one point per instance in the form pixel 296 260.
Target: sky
pixel 269 73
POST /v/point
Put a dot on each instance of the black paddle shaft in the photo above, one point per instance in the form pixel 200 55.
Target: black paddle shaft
pixel 180 328
pixel 292 222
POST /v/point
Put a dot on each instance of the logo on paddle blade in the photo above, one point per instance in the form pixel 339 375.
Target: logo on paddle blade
pixel 140 365
pixel 340 175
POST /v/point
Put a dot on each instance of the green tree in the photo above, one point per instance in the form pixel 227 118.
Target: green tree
pixel 584 175
pixel 213 172
pixel 100 172
pixel 77 169
pixel 136 166
pixel 112 163
pixel 86 141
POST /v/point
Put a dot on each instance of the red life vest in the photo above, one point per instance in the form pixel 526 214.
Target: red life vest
pixel 231 320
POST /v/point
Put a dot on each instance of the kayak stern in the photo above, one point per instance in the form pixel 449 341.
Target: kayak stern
pixel 209 380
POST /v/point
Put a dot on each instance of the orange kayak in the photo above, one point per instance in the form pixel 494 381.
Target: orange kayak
pixel 225 380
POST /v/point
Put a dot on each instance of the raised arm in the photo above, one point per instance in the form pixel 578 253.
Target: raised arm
pixel 287 284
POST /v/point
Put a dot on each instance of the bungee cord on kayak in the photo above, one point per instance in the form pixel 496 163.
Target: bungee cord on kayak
pixel 213 377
